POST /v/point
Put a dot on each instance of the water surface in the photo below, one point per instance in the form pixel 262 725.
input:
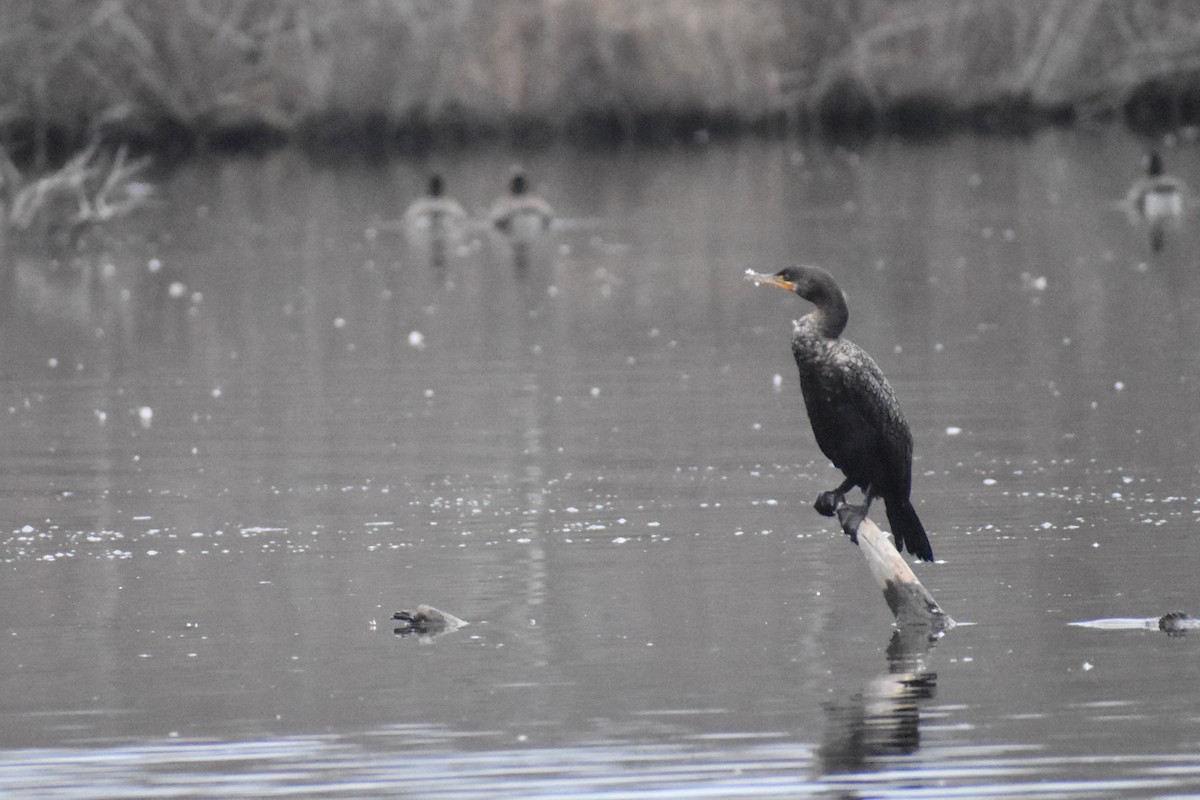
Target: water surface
pixel 242 430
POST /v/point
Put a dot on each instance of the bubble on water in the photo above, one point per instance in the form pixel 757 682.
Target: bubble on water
pixel 177 289
pixel 953 430
pixel 594 391
pixel 145 416
pixel 416 339
pixel 777 381
pixel 216 392
pixel 1119 385
pixel 989 481
pixel 339 322
pixel 52 362
pixel 154 265
pixel 102 416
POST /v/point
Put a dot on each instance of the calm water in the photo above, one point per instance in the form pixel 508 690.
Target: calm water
pixel 243 430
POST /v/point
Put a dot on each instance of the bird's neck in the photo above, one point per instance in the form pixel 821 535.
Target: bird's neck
pixel 830 316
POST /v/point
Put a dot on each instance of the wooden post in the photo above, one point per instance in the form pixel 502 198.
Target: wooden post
pixel 910 602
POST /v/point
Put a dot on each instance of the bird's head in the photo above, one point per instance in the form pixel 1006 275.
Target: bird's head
pixel 817 287
pixel 436 185
pixel 812 283
pixel 518 186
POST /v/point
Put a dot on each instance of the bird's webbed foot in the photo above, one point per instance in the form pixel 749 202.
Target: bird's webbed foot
pixel 827 502
pixel 850 518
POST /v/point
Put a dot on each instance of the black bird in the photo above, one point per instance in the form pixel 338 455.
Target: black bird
pixel 854 412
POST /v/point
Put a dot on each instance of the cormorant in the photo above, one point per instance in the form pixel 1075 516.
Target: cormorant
pixel 434 210
pixel 853 410
pixel 520 213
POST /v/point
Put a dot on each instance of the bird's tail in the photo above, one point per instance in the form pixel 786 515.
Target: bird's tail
pixel 907 529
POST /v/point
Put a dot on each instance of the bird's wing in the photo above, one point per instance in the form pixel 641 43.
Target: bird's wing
pixel 872 400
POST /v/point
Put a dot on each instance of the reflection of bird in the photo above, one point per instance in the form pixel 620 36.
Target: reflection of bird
pixel 520 213
pixel 1157 199
pixel 853 410
pixel 434 210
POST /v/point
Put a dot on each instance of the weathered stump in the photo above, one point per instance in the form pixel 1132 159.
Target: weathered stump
pixel 910 602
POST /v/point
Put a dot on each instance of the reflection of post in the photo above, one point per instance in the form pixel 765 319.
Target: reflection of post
pixel 883 720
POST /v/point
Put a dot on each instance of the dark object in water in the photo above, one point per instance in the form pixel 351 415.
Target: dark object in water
pixel 1173 623
pixel 1177 623
pixel 426 621
pixel 853 410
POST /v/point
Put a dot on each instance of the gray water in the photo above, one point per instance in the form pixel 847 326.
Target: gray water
pixel 243 429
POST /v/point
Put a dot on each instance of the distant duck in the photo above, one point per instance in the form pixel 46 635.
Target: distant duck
pixel 434 210
pixel 520 213
pixel 1157 196
pixel 1157 200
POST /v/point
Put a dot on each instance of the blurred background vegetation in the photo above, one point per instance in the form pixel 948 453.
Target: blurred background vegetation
pixel 382 74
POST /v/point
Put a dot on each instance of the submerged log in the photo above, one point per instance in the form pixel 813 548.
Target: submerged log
pixel 910 602
pixel 1173 623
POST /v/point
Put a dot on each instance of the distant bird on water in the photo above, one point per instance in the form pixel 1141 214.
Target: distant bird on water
pixel 1157 195
pixel 1157 199
pixel 520 213
pixel 434 210
pixel 854 412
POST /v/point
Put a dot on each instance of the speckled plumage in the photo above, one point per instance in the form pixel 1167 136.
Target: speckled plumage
pixel 854 413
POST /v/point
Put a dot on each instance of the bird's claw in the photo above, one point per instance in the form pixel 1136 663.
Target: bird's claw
pixel 850 518
pixel 828 502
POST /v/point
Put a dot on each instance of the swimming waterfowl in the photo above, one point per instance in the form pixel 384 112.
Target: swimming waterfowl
pixel 853 410
pixel 434 210
pixel 519 212
pixel 1158 195
pixel 1157 200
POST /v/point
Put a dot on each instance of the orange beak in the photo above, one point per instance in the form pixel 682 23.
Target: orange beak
pixel 760 278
